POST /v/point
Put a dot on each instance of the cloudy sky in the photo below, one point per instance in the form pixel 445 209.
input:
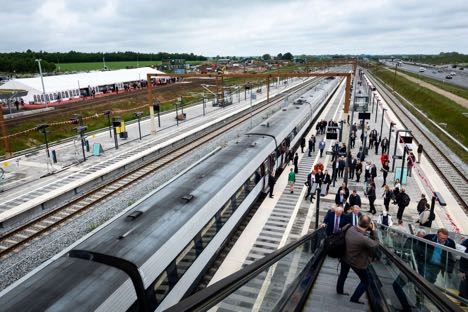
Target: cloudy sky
pixel 236 27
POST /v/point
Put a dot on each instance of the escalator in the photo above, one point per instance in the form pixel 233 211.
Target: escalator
pixel 300 277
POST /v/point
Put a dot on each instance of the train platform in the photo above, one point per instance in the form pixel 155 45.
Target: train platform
pixel 32 179
pixel 287 217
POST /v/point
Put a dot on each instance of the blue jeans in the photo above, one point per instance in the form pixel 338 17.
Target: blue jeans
pixel 363 277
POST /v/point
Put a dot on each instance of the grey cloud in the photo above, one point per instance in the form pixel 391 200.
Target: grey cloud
pixel 236 27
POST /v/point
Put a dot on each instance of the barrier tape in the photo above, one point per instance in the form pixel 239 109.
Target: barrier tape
pixel 84 118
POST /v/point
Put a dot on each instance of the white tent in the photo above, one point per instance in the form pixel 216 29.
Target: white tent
pixel 69 85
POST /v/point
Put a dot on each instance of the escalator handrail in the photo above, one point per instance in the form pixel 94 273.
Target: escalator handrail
pixel 429 290
pixel 213 294
pixel 427 242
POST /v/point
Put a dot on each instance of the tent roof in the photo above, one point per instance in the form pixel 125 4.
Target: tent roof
pixel 71 81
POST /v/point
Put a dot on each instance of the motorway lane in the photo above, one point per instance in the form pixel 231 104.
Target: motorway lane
pixel 460 79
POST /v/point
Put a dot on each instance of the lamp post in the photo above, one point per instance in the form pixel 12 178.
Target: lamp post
pixel 138 116
pixel 390 136
pixel 377 111
pixel 116 123
pixel 108 113
pixel 381 122
pixel 42 80
pixel 42 128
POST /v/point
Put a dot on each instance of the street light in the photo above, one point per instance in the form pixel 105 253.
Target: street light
pixel 138 116
pixel 42 80
pixel 42 128
pixel 108 113
pixel 381 123
pixel 81 130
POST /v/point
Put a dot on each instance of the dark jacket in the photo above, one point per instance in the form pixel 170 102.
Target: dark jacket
pixel 346 190
pixel 329 220
pixel 400 199
pixel 271 180
pixel 355 200
pixel 422 205
pixel 371 193
pixel 349 217
pixel 446 266
pixel 340 201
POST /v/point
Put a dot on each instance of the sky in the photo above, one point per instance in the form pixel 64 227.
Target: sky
pixel 236 27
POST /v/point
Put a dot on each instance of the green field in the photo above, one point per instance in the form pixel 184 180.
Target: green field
pixel 67 67
pixel 437 107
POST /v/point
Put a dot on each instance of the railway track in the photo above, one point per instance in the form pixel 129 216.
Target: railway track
pixel 451 173
pixel 16 239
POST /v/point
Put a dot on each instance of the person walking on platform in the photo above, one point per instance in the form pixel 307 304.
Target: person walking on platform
pixel 353 138
pixel 377 143
pixel 303 142
pixel 271 183
pixel 371 196
pixel 438 260
pixel 387 197
pixel 352 167
pixel 403 200
pixel 383 158
pixel 385 219
pixel 326 180
pixel 309 182
pixel 296 163
pixel 422 204
pixel 425 216
pixel 420 151
pixel 319 177
pixel 359 249
pixel 341 166
pixel 385 143
pixel 321 147
pixel 291 180
pixel 411 159
pixel 354 199
pixel 311 145
pixel 385 169
pixel 358 170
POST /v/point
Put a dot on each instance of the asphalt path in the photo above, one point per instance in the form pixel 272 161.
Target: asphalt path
pixel 438 73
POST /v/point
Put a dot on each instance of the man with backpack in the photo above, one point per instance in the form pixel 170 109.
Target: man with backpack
pixel 402 200
pixel 358 251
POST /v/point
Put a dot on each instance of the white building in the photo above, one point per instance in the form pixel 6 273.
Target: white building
pixel 75 85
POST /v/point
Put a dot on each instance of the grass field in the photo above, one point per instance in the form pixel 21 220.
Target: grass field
pixel 437 107
pixel 67 67
pixel 460 91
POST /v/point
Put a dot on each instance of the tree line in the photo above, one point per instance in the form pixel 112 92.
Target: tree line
pixel 24 62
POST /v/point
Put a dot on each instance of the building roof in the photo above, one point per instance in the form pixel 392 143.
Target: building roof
pixel 82 80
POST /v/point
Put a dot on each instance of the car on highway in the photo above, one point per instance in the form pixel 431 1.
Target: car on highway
pixel 453 73
pixel 422 69
pixel 448 77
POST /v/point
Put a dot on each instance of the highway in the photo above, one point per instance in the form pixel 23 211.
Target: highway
pixel 460 79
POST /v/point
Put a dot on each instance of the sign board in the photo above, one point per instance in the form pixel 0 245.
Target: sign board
pixel 253 96
pixel 97 149
pixel 398 174
pixel 406 139
pixel 397 157
pixel 364 116
pixel 332 135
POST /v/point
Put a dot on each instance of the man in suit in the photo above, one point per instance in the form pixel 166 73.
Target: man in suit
pixel 340 198
pixel 341 166
pixel 352 217
pixel 436 257
pixel 334 220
